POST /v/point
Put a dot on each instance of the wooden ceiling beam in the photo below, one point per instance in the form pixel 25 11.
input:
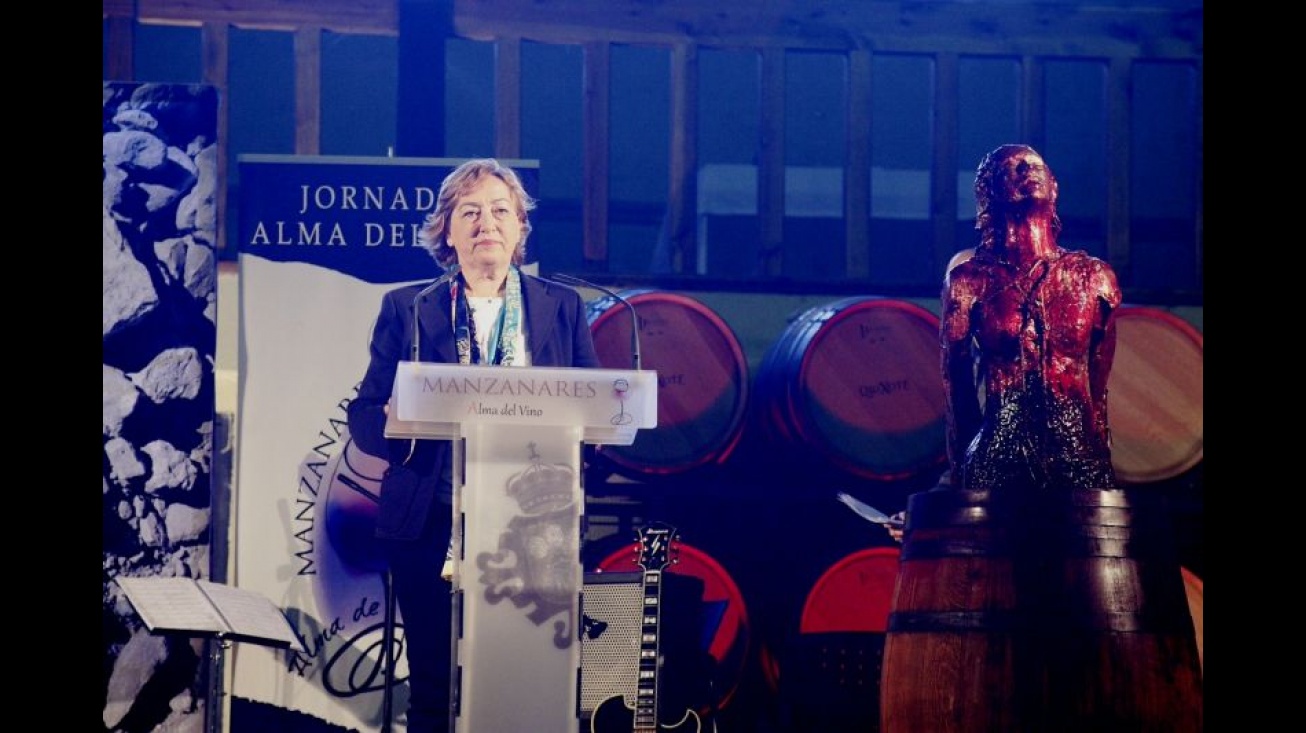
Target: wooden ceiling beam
pixel 879 25
pixel 367 17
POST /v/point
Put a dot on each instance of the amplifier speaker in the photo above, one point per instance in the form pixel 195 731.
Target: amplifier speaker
pixel 609 645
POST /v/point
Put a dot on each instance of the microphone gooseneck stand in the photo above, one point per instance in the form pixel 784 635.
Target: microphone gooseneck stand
pixel 634 317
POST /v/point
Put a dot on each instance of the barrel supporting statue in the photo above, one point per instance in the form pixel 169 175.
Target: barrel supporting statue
pixel 1064 613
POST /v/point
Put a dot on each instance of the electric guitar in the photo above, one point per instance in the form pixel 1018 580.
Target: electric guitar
pixel 615 715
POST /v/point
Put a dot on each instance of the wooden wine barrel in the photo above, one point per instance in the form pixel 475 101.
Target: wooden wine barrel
pixel 855 385
pixel 831 680
pixel 1193 587
pixel 1154 395
pixel 1039 613
pixel 703 381
pixel 853 594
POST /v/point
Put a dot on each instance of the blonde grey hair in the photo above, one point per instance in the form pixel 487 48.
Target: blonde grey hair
pixel 433 236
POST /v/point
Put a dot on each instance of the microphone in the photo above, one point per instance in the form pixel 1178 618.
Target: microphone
pixel 449 274
pixel 634 317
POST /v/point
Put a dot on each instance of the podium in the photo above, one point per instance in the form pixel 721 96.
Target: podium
pixel 518 435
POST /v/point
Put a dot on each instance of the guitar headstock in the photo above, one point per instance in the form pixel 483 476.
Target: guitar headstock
pixel 656 550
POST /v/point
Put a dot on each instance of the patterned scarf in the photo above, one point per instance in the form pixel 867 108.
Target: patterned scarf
pixel 503 341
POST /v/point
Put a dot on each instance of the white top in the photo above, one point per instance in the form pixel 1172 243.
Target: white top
pixel 485 310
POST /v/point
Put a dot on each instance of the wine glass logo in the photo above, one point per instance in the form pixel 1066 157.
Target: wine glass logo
pixel 619 389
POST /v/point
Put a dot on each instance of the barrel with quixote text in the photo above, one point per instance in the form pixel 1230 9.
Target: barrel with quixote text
pixel 702 381
pixel 855 387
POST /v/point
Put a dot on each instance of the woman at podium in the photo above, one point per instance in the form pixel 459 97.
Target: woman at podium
pixel 482 310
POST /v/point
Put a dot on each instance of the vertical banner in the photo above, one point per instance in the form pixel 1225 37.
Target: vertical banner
pixel 160 312
pixel 321 239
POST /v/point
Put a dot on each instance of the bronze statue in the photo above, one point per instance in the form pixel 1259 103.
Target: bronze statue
pixel 1029 584
pixel 1027 341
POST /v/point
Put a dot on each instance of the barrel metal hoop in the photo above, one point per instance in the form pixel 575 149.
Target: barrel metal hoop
pixel 1007 621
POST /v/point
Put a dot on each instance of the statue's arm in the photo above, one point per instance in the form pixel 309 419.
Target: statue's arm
pixel 1103 349
pixel 960 386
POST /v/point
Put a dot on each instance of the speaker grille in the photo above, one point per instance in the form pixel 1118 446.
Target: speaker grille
pixel 609 655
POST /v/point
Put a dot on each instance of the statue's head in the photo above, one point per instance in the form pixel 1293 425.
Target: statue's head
pixel 1011 178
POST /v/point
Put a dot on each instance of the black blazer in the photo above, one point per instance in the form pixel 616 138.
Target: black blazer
pixel 557 335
